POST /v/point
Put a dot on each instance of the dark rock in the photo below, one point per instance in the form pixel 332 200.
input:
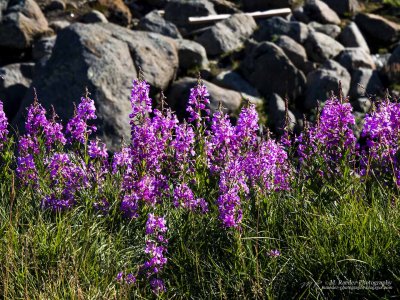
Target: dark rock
pixel 319 11
pixel 115 11
pixel 15 81
pixel 42 49
pixel 154 22
pixel 380 60
pixel 227 35
pixel 329 29
pixel 269 29
pixel 344 7
pixel 351 36
pixel 56 5
pixel 179 93
pixel 277 114
pixel 354 58
pixel 321 82
pixel 191 55
pixel 296 52
pixel 93 16
pixel 59 25
pixel 254 5
pixel 225 7
pixel 377 29
pixel 365 82
pixel 321 47
pixel 264 64
pixel 178 12
pixel 21 24
pixel 362 105
pixel 392 69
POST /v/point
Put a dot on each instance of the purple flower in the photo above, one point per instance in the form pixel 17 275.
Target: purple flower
pixel 155 224
pixel 274 253
pixel 130 279
pixel 97 149
pixel 77 128
pixel 198 102
pixel 26 169
pixel 184 197
pixel 157 285
pixel 140 100
pixel 3 125
pixel 36 119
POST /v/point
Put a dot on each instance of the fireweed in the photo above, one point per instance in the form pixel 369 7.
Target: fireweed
pixel 166 161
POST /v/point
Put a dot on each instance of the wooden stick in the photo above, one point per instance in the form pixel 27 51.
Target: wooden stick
pixel 256 15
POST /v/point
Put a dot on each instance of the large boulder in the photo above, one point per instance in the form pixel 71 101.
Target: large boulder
pixel 191 55
pixel 351 36
pixel 276 26
pixel 42 49
pixel 227 35
pixel 321 47
pixel 354 58
pixel 178 12
pixel 365 82
pixel 14 82
pixel 93 16
pixel 104 58
pixel 178 96
pixel 255 5
pixel 321 82
pixel 154 22
pixel 21 23
pixel 270 71
pixel 377 29
pixel 115 11
pixel 277 114
pixel 319 11
pixel 329 29
pixel 344 7
pixel 296 52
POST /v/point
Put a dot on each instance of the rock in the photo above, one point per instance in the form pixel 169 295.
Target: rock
pixel 93 16
pixel 56 5
pixel 365 82
pixel 377 29
pixel 329 29
pixel 154 22
pixel 59 25
pixel 42 49
pixel 187 9
pixel 380 60
pixel 227 35
pixel 354 58
pixel 225 7
pixel 234 81
pixel 277 114
pixel 319 11
pixel 276 26
pixel 351 36
pixel 13 86
pixel 115 11
pixel 102 57
pixel 155 54
pixel 264 64
pixel 321 82
pixel 296 52
pixel 362 105
pixel 321 47
pixel 21 24
pixel 392 68
pixel 179 93
pixel 254 5
pixel 344 7
pixel 191 55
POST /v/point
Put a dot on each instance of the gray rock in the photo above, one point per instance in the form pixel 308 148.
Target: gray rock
pixel 116 11
pixel 377 28
pixel 264 64
pixel 362 105
pixel 380 60
pixel 154 22
pixel 59 25
pixel 344 7
pixel 15 81
pixel 270 28
pixel 354 58
pixel 298 15
pixel 102 57
pixel 321 47
pixel 191 55
pixel 21 24
pixel 319 11
pixel 234 81
pixel 321 82
pixel 225 7
pixel 155 54
pixel 392 68
pixel 254 5
pixel 3 7
pixel 93 16
pixel 365 82
pixel 227 35
pixel 179 93
pixel 56 5
pixel 42 49
pixel 178 12
pixel 296 52
pixel 329 29
pixel 277 114
pixel 351 36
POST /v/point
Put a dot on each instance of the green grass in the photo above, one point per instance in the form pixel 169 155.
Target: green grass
pixel 326 232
